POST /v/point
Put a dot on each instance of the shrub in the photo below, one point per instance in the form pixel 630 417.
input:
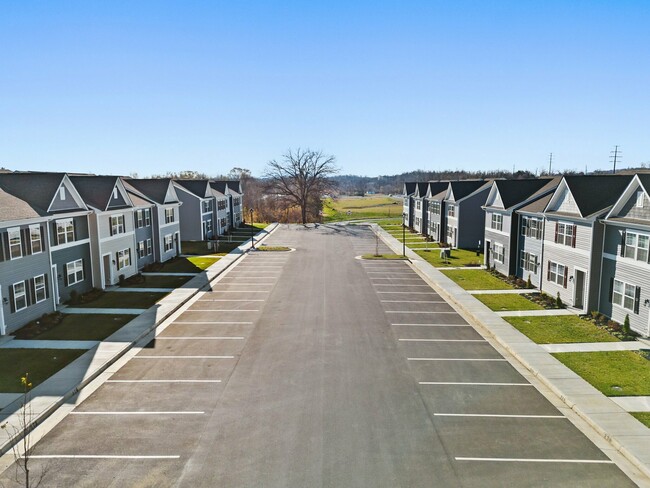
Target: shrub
pixel 74 297
pixel 121 280
pixel 558 301
pixel 528 282
pixel 626 325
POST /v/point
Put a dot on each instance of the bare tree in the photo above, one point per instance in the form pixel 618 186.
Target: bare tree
pixel 300 178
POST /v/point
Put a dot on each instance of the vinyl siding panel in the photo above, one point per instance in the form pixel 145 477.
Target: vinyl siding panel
pixel 631 211
pixel 142 234
pixel 63 256
pixel 471 220
pixel 165 229
pixel 532 246
pixel 189 216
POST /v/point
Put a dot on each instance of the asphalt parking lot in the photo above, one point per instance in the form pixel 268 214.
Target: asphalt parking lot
pixel 314 368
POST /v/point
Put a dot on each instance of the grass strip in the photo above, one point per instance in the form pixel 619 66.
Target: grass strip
pixel 114 299
pixel 559 329
pixel 476 279
pixel 39 363
pixel 643 417
pixel 501 302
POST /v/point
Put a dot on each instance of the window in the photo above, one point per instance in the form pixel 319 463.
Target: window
pixel 39 288
pixel 498 253
pixel 62 193
pixel 528 262
pixel 624 295
pixel 208 226
pixel 15 243
pixel 221 205
pixel 74 271
pixel 418 205
pixel 417 221
pixel 497 221
pixel 451 211
pixel 450 236
pixel 139 218
pixel 637 246
pixel 639 199
pixel 534 228
pixel 557 273
pixel 123 259
pixel 147 217
pixel 565 234
pixel 117 224
pixel 435 207
pixel 169 243
pixel 169 215
pixel 223 222
pixel 237 201
pixel 115 192
pixel 142 249
pixel 20 296
pixel 64 231
pixel 206 206
pixel 35 238
pixel 149 247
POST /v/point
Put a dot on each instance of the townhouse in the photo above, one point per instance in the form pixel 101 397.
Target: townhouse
pixel 407 206
pixel 44 246
pixel 465 218
pixel 236 202
pixel 573 237
pixel 222 207
pixel 531 240
pixel 435 203
pixel 625 272
pixel 112 228
pixel 502 235
pixel 420 210
pixel 197 220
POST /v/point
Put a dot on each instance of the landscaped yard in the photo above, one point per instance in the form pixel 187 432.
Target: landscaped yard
pixel 128 299
pixel 459 257
pixel 500 302
pixel 199 247
pixel 193 264
pixel 77 327
pixel 39 363
pixel 643 417
pixel 614 373
pixel 149 281
pixel 361 208
pixel 476 279
pixel 560 329
pixel 383 256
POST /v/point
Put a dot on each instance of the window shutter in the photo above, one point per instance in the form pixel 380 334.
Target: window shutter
pixel 623 244
pixel 611 290
pixel 548 271
pixel 47 285
pixel 28 242
pixel 3 253
pixel 12 302
pixel 65 274
pixel 566 276
pixel 637 299
pixel 43 234
pixel 555 240
pixel 573 243
pixel 23 241
pixel 110 226
pixel 31 291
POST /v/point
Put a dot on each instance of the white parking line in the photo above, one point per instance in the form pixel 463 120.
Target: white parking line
pixel 218 323
pixel 135 412
pixel 401 286
pixel 183 357
pixel 230 300
pixel 454 359
pixel 412 301
pixel 219 310
pixel 493 415
pixel 469 383
pixel 95 456
pixel 410 292
pixel 238 291
pixel 391 272
pixel 441 340
pixel 415 311
pixel 397 279
pixel 524 460
pixel 204 338
pixel 432 325
pixel 163 381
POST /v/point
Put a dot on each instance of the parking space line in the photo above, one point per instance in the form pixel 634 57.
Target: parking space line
pixel 219 310
pixel 412 301
pixel 238 291
pixel 204 338
pixel 410 292
pixel 183 357
pixel 416 311
pixel 432 325
pixel 389 284
pixel 163 381
pixel 218 323
pixel 494 415
pixel 135 412
pixel 96 456
pixel 470 383
pixel 231 300
pixel 455 359
pixel 532 460
pixel 441 340
pixel 398 279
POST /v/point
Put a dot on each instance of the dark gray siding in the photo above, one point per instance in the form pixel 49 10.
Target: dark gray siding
pixel 189 216
pixel 80 224
pixel 142 234
pixel 471 221
pixel 61 258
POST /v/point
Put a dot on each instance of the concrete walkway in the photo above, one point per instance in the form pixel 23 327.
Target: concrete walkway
pixel 517 291
pixel 633 403
pixel 595 346
pixel 47 344
pixel 100 311
pixel 535 313
pixel 620 433
pixel 144 290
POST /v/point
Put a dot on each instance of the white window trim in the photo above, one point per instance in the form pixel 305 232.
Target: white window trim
pixel 15 230
pixel 121 258
pixel 147 217
pixel 40 238
pixel 65 223
pixel 623 295
pixel 565 225
pixel 149 247
pixel 77 266
pixel 496 253
pixel 37 288
pixel 119 217
pixel 636 246
pixel 22 295
pixel 557 273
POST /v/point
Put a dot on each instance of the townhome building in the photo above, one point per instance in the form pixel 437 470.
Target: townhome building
pixel 407 207
pixel 531 240
pixel 158 232
pixel 44 246
pixel 222 206
pixel 625 272
pixel 465 218
pixel 436 217
pixel 236 202
pixel 197 220
pixel 573 237
pixel 420 211
pixel 145 237
pixel 502 236
pixel 112 229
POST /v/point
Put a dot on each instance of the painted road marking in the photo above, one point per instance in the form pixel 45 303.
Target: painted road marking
pixel 454 359
pixel 177 412
pixel 432 325
pixel 183 357
pixel 410 292
pixel 441 340
pixel 415 311
pixel 230 300
pixel 401 286
pixel 205 338
pixel 95 456
pixel 163 381
pixel 491 415
pixel 238 291
pixel 219 310
pixel 524 460
pixel 469 383
pixel 218 323
pixel 412 301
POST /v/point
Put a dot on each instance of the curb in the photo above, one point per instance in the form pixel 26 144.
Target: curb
pixel 16 405
pixel 418 262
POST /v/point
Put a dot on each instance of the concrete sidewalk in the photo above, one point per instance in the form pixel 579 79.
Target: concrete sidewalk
pixel 534 313
pixel 516 291
pixel 47 397
pixel 595 346
pixel 48 344
pixel 623 432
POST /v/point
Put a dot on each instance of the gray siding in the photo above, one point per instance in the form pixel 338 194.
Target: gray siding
pixel 167 229
pixel 471 220
pixel 631 211
pixel 503 238
pixel 439 219
pixel 142 234
pixel 189 216
pixel 63 256
pixel 531 246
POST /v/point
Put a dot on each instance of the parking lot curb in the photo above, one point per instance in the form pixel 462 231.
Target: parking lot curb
pixel 47 409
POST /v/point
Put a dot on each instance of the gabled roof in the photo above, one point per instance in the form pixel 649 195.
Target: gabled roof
pixel 97 191
pixel 593 193
pixel 36 189
pixel 436 188
pixel 218 188
pixel 14 208
pixel 515 192
pixel 198 188
pixel 155 189
pixel 138 198
pixel 536 206
pixel 409 187
pixel 464 188
pixel 421 189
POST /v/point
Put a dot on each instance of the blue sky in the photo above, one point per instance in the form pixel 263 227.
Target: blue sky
pixel 151 87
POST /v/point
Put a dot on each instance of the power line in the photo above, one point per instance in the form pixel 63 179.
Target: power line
pixel 614 156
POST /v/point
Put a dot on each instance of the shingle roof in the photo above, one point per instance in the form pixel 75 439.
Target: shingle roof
pixel 644 178
pixel 422 189
pixel 14 208
pixel 156 188
pixel 513 192
pixel 196 187
pixel 438 187
pixel 96 191
pixel 410 187
pixel 37 189
pixel 593 193
pixel 219 186
pixel 463 188
pixel 538 205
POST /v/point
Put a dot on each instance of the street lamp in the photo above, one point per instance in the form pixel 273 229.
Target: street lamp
pixel 251 224
pixel 403 235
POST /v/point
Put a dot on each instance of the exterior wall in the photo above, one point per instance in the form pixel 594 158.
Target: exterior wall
pixel 439 219
pixel 108 244
pixel 631 211
pixel 18 270
pixel 407 211
pixel 173 229
pixel 221 214
pixel 419 216
pixel 209 217
pixel 237 212
pixel 572 258
pixel 502 237
pixel 471 221
pixel 532 246
pixel 189 216
pixel 64 255
pixel 142 234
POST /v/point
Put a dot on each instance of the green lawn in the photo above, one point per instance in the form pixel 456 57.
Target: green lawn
pixel 194 264
pixel 459 257
pixel 78 327
pixel 198 247
pixel 157 281
pixel 370 207
pixel 39 363
pixel 643 417
pixel 115 299
pixel 614 373
pixel 560 329
pixel 274 248
pixel 476 279
pixel 383 256
pixel 500 302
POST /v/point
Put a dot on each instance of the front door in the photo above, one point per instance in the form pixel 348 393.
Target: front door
pixel 2 316
pixel 579 290
pixel 108 270
pixel 487 253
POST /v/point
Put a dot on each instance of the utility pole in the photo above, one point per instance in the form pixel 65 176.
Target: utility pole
pixel 550 163
pixel 614 156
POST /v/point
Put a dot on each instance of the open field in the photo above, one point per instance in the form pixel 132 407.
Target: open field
pixel 372 207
